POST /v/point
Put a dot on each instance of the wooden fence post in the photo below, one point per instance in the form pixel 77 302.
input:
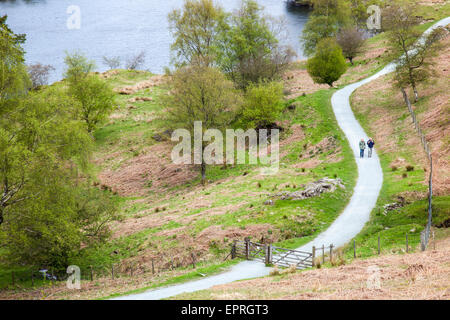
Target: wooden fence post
pixel 92 274
pixel 112 271
pixel 153 267
pixel 379 245
pixel 313 255
pixel 247 248
pixel 331 253
pixel 323 254
pixel 354 248
pixel 233 249
pixel 193 260
pixel 406 243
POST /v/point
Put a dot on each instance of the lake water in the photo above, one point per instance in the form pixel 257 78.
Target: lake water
pixel 115 28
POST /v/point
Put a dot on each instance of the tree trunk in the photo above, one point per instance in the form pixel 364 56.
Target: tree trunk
pixel 203 170
pixel 416 94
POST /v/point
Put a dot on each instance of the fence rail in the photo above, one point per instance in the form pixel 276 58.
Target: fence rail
pixel 425 236
pixel 282 257
pixel 271 255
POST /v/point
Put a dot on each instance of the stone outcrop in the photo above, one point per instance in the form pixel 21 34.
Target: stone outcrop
pixel 312 189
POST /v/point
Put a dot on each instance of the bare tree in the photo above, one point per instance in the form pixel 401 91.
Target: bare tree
pixel 414 65
pixel 136 61
pixel 39 74
pixel 350 39
pixel 112 63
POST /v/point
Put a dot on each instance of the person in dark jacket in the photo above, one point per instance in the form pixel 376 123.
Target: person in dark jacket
pixel 370 144
pixel 362 147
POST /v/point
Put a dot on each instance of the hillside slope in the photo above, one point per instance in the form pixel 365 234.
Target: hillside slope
pixel 421 275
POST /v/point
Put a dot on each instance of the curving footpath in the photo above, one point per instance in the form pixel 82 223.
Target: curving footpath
pixel 344 228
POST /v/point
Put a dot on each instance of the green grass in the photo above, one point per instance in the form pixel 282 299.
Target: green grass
pixel 316 117
pixel 393 226
pixel 199 273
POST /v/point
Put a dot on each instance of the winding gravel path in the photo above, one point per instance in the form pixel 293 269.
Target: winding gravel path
pixel 343 229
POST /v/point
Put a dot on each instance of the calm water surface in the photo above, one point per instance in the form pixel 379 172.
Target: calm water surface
pixel 115 28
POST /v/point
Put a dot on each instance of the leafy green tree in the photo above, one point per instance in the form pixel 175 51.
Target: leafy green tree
pixel 359 14
pixel 95 97
pixel 41 134
pixel 328 64
pixel 96 100
pixel 14 79
pixel 200 93
pixel 78 67
pixel 247 47
pixel 327 18
pixel 95 209
pixel 195 29
pixel 46 215
pixel 415 62
pixel 262 106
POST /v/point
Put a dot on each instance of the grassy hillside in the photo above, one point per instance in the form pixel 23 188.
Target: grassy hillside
pixel 169 217
pixel 421 275
pixel 382 112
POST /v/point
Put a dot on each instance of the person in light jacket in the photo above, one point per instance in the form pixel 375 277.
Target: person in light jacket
pixel 370 144
pixel 362 147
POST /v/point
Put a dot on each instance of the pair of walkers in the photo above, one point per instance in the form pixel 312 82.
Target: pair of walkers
pixel 362 147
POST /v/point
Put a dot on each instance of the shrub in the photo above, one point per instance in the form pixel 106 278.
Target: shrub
pixel 409 168
pixel 350 39
pixel 394 168
pixel 404 175
pixel 275 271
pixel 263 105
pixel 39 74
pixel 136 61
pixel 328 63
pixel 112 63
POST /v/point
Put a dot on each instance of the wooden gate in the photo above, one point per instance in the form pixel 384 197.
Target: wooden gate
pixel 272 255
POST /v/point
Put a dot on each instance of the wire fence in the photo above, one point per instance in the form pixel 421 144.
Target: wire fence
pixel 266 253
pixel 425 236
pixel 282 257
pixel 100 271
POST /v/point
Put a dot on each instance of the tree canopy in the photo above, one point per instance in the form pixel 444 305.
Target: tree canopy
pixel 328 64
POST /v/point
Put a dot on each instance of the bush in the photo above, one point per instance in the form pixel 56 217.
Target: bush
pixel 112 63
pixel 328 64
pixel 135 61
pixel 39 74
pixel 263 105
pixel 409 168
pixel 350 39
pixel 248 50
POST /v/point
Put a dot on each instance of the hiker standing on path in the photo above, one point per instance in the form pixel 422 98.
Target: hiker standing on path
pixel 362 147
pixel 370 144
